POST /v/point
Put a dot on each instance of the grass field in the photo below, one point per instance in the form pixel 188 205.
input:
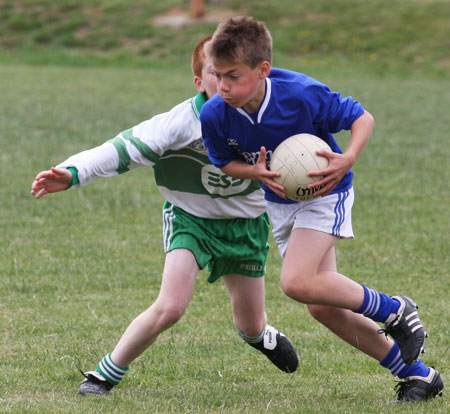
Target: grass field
pixel 78 266
pixel 384 35
pixel 68 258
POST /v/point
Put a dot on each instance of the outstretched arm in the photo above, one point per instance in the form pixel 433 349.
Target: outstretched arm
pixel 51 181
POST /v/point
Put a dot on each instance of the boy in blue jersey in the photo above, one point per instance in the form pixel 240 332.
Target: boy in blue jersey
pixel 222 227
pixel 256 108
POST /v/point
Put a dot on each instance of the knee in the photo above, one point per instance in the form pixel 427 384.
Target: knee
pixel 297 289
pixel 169 314
pixel 322 313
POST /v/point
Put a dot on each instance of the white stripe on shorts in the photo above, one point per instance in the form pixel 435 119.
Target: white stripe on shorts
pixel 168 216
pixel 331 214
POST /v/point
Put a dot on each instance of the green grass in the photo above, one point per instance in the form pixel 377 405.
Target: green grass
pixel 79 265
pixel 381 35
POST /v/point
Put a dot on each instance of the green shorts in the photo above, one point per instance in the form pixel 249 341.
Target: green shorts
pixel 227 246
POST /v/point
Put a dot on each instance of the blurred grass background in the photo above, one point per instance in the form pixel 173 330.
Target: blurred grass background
pixel 77 266
pixel 381 35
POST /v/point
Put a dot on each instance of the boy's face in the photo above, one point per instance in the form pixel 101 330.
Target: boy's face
pixel 207 83
pixel 241 86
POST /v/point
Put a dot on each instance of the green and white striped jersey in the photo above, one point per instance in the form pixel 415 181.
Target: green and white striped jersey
pixel 172 144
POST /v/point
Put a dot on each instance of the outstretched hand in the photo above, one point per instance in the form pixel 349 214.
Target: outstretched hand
pixel 338 165
pixel 51 181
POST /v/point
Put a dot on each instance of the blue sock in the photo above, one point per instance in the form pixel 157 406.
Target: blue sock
pixel 377 306
pixel 396 365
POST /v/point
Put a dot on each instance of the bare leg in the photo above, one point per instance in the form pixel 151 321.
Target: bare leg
pixel 247 302
pixel 355 329
pixel 180 272
pixel 302 280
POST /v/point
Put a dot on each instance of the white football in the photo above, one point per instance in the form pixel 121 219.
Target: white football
pixel 294 158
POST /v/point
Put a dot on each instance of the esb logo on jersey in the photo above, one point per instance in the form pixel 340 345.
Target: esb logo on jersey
pixel 216 182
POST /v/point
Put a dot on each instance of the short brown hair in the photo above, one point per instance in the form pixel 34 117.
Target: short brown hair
pixel 241 39
pixel 198 57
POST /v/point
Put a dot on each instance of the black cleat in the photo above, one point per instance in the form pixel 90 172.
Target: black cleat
pixel 94 383
pixel 278 349
pixel 420 388
pixel 406 329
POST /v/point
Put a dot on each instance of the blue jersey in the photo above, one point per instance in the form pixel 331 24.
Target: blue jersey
pixel 293 104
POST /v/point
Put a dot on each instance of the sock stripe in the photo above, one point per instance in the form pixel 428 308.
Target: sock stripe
pixel 115 367
pixel 396 365
pixel 370 300
pixel 394 362
pixel 110 370
pixel 112 373
pixel 251 339
pixel 376 304
pixel 373 305
pixel 397 357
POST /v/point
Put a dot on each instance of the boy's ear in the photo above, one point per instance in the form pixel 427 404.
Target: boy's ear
pixel 198 84
pixel 264 69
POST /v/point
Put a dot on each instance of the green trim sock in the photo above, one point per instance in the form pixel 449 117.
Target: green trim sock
pixel 110 371
pixel 251 339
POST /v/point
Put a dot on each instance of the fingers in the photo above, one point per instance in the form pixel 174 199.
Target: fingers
pixel 329 177
pixel 262 156
pixel 324 191
pixel 43 174
pixel 280 193
pixel 318 173
pixel 277 188
pixel 37 188
pixel 262 165
pixel 36 185
pixel 38 191
pixel 325 171
pixel 51 173
pixel 325 153
pixel 59 172
pixel 40 194
pixel 324 185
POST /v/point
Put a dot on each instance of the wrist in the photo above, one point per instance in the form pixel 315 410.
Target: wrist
pixel 351 158
pixel 74 180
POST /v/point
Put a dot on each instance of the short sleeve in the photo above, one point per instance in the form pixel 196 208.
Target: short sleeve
pixel 331 111
pixel 215 139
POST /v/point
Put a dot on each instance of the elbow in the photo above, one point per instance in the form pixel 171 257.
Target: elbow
pixel 369 119
pixel 229 169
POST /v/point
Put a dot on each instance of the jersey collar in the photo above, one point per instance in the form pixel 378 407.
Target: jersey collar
pixel 197 103
pixel 263 106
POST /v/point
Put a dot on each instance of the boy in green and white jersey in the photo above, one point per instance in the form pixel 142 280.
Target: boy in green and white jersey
pixel 209 219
